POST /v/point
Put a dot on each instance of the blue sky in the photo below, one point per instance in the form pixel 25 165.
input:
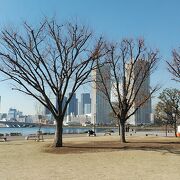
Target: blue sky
pixel 157 21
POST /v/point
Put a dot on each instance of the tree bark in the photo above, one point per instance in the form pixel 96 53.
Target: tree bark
pixel 119 127
pixel 122 136
pixel 175 129
pixel 58 133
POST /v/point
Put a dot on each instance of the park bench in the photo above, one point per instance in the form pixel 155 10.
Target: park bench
pixel 37 137
pixel 3 137
pixel 108 132
pixel 150 134
pixel 15 134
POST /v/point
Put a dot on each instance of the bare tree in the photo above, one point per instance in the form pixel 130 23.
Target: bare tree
pixel 130 66
pixel 52 58
pixel 163 115
pixel 174 66
pixel 169 107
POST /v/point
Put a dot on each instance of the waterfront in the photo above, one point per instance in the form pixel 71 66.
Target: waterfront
pixel 51 130
pixel 83 130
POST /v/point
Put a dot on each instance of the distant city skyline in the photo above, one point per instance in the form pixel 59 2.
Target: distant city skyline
pixel 155 21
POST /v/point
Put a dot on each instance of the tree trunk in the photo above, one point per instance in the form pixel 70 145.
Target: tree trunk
pixel 175 129
pixel 58 133
pixel 123 139
pixel 119 127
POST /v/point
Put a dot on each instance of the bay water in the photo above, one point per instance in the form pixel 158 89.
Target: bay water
pixel 50 130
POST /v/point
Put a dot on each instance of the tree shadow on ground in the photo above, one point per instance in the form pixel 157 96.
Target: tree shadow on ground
pixel 111 146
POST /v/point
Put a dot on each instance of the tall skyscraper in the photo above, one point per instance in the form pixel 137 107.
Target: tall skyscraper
pixel 87 108
pixel 143 114
pixel 85 103
pixel 100 108
pixel 73 105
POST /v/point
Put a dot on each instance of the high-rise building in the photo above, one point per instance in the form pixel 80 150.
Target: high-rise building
pixel 87 108
pixel 12 114
pixel 73 105
pixel 143 114
pixel 79 108
pixel 85 103
pixel 100 108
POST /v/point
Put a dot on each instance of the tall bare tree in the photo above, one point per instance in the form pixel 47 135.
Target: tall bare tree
pixel 51 58
pixel 174 66
pixel 131 64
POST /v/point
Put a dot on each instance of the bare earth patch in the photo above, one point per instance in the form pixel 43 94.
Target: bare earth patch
pixel 171 145
pixel 142 158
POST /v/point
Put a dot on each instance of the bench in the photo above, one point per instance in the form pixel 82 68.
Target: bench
pixel 37 137
pixel 31 136
pixel 3 137
pixel 107 133
pixel 150 134
pixel 15 134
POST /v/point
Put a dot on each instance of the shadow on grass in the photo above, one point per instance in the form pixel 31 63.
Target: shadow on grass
pixel 91 147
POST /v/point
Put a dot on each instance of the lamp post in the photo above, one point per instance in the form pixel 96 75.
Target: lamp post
pixel 94 121
pixel 174 120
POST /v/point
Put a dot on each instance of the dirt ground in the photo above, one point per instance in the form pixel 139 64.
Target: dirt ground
pixel 103 157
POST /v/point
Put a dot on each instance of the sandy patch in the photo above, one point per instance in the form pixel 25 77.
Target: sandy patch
pixel 92 158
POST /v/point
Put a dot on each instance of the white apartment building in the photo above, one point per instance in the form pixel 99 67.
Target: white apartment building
pixel 144 113
pixel 100 108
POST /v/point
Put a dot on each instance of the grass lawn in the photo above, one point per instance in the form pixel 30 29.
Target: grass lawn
pixel 92 158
